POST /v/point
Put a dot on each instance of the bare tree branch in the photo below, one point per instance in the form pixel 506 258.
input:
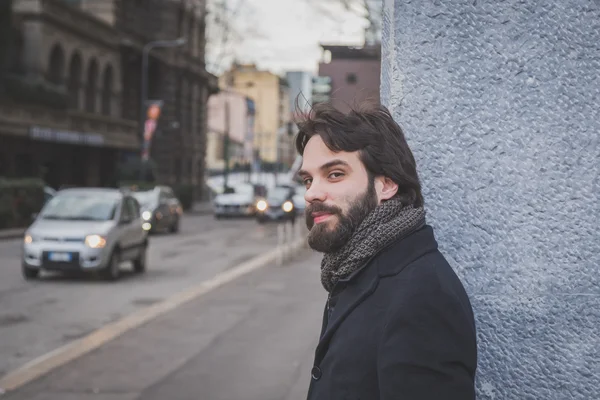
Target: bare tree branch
pixel 227 27
pixel 370 10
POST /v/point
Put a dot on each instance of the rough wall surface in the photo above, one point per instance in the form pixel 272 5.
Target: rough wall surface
pixel 500 103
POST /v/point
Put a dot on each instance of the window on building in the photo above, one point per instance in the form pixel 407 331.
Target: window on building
pixel 91 84
pixel 56 65
pixel 74 80
pixel 351 78
pixel 107 83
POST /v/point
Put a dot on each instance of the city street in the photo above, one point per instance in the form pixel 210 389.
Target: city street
pixel 39 316
pixel 251 339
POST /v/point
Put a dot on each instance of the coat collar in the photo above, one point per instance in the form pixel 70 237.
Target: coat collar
pixel 357 287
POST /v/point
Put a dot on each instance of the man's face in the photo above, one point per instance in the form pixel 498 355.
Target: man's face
pixel 339 195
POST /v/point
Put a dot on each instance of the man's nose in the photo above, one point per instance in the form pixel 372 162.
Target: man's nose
pixel 315 193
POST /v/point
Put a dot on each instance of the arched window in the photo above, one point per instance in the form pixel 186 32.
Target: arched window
pixel 74 80
pixel 107 83
pixel 56 65
pixel 90 86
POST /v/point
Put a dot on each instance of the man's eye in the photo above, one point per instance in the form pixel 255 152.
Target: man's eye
pixel 307 181
pixel 335 175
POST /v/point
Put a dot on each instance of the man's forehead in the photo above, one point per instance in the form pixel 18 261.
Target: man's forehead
pixel 317 156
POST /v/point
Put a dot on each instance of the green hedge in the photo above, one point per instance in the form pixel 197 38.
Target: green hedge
pixel 19 199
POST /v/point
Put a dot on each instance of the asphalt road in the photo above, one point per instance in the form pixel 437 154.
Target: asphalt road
pixel 39 316
pixel 250 339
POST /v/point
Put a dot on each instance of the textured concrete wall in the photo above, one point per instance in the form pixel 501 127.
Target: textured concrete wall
pixel 500 102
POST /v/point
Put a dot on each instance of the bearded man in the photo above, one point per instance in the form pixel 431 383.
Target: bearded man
pixel 398 323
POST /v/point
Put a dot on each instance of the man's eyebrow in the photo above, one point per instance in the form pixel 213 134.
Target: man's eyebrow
pixel 326 166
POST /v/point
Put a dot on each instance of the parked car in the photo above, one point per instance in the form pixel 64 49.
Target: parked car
pixel 160 209
pixel 298 199
pixel 240 200
pixel 86 230
pixel 49 193
pixel 278 205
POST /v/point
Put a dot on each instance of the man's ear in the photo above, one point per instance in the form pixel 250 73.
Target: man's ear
pixel 385 188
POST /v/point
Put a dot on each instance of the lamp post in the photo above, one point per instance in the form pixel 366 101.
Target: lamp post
pixel 144 89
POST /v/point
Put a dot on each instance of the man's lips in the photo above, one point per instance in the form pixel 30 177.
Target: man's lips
pixel 320 216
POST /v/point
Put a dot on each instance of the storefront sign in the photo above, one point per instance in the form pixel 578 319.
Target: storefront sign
pixel 63 136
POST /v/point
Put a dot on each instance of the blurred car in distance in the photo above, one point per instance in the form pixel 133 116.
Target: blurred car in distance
pixel 49 193
pixel 298 199
pixel 160 209
pixel 86 230
pixel 278 205
pixel 239 201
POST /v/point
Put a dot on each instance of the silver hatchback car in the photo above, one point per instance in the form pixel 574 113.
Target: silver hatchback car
pixel 86 230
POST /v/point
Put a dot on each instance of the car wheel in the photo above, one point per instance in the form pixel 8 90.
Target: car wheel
pixel 113 269
pixel 261 220
pixel 30 273
pixel 139 264
pixel 218 216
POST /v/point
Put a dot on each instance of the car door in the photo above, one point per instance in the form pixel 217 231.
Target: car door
pixel 135 231
pixel 163 210
pixel 174 205
pixel 124 227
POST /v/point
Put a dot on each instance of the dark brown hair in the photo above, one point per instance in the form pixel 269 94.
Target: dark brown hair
pixel 371 130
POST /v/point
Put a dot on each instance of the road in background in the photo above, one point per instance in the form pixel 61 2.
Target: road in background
pixel 251 339
pixel 39 316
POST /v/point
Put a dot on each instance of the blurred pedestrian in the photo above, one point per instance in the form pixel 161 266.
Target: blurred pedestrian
pixel 398 323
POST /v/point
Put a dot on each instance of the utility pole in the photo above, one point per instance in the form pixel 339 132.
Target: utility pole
pixel 226 147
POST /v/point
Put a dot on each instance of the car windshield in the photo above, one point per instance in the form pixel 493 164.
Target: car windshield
pixel 278 195
pixel 146 198
pixel 81 207
pixel 244 189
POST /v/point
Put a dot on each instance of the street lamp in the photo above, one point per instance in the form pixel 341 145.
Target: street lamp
pixel 144 89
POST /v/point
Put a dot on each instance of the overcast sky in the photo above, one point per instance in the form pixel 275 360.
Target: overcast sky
pixel 284 35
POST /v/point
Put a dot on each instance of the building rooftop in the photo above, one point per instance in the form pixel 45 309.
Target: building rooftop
pixel 352 52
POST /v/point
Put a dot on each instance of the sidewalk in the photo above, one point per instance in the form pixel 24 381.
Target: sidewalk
pixel 250 339
pixel 12 233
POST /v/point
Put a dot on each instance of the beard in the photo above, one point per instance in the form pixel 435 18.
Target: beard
pixel 326 239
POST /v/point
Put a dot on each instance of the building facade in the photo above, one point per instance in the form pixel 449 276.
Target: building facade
pixel 301 87
pixel 353 74
pixel 176 76
pixel 61 115
pixel 71 103
pixel 273 135
pixel 231 126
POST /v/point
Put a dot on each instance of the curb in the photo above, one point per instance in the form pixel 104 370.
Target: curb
pixel 71 351
pixel 12 233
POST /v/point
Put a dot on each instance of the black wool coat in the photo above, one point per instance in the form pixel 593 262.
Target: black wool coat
pixel 401 328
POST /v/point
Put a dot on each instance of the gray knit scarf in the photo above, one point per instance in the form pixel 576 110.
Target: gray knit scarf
pixel 388 222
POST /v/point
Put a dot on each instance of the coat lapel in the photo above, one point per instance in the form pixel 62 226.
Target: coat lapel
pixel 388 261
pixel 355 292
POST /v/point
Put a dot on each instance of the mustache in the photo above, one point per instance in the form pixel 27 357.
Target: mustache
pixel 321 207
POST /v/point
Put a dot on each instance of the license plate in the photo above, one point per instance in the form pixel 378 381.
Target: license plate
pixel 59 257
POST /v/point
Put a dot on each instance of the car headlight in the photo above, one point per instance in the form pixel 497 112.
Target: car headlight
pixel 95 241
pixel 146 215
pixel 287 206
pixel 261 205
pixel 29 239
